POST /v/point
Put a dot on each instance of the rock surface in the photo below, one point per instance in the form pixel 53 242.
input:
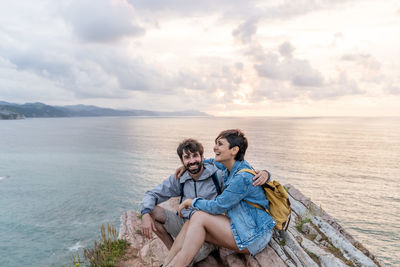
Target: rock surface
pixel 313 239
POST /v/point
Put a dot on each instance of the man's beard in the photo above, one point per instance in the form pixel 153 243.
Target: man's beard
pixel 194 171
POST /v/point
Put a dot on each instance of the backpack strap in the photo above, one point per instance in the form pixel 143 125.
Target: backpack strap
pixel 249 171
pixel 257 206
pixel 181 188
pixel 251 203
pixel 216 183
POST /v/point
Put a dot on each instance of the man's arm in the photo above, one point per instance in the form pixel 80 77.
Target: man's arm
pixel 162 192
pixel 260 178
pixel 148 226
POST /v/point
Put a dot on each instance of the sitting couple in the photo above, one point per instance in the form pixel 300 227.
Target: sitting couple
pixel 207 216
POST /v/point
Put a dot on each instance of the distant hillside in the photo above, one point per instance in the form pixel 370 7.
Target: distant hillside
pixel 40 110
pixel 34 110
pixel 10 115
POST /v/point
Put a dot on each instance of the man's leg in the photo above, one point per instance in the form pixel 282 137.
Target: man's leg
pixel 204 251
pixel 160 217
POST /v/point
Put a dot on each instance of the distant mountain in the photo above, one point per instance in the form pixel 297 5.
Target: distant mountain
pixel 6 103
pixel 40 110
pixel 34 110
pixel 92 111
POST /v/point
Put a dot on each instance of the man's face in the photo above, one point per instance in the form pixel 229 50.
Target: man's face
pixel 193 162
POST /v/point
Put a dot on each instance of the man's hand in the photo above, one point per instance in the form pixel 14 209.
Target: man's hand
pixel 179 172
pixel 261 178
pixel 184 205
pixel 148 225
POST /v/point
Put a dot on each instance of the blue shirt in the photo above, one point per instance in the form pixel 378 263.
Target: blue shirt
pixel 247 222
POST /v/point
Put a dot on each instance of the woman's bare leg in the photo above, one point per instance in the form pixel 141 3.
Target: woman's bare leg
pixel 177 245
pixel 206 227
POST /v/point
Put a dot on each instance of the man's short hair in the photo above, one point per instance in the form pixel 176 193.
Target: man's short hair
pixel 235 137
pixel 190 145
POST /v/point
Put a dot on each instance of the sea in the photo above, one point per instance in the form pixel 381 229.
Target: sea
pixel 62 178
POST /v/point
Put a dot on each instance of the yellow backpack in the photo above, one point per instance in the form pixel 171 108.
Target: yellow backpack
pixel 279 204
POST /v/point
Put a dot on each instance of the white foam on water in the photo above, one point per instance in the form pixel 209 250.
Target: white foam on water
pixel 76 247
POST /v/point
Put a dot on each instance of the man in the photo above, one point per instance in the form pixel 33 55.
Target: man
pixel 200 180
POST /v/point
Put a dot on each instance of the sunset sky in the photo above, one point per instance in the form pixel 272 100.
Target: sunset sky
pixel 226 58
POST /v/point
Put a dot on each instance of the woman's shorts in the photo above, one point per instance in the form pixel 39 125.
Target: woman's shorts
pixel 259 244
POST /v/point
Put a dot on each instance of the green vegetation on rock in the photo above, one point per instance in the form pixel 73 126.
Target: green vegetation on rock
pixel 107 252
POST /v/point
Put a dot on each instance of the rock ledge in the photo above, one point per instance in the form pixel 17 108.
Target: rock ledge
pixel 313 238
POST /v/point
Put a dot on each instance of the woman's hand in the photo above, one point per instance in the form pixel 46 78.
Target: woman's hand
pixel 179 172
pixel 184 205
pixel 260 178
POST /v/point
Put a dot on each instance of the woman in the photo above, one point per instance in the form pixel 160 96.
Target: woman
pixel 246 229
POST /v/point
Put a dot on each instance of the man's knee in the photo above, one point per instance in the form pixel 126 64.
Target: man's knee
pixel 159 226
pixel 158 214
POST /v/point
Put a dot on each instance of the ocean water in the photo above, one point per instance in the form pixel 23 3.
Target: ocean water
pixel 62 178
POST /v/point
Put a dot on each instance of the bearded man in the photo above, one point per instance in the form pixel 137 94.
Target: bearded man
pixel 200 179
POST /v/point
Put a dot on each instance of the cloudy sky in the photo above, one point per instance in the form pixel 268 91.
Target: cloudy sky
pixel 227 57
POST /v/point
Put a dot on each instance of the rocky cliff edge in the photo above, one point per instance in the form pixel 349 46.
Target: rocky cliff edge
pixel 313 238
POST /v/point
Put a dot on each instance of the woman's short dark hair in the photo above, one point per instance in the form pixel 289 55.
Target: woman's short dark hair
pixel 235 137
pixel 190 145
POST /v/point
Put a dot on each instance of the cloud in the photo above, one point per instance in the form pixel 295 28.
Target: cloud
pixel 365 60
pixel 133 73
pixel 368 66
pixel 298 72
pixel 239 65
pixel 93 72
pixel 255 51
pixel 285 77
pixel 232 10
pixel 273 90
pixel 286 49
pixel 336 87
pixel 275 66
pixel 22 85
pixel 245 31
pixel 102 20
pixel 228 8
pixel 222 78
pixel 392 89
pixel 333 88
pixel 46 63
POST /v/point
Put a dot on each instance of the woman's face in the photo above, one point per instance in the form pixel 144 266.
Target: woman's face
pixel 222 151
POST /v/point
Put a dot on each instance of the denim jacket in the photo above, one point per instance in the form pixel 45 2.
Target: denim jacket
pixel 247 222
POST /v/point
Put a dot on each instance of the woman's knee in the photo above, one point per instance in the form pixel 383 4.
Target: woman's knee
pixel 199 217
